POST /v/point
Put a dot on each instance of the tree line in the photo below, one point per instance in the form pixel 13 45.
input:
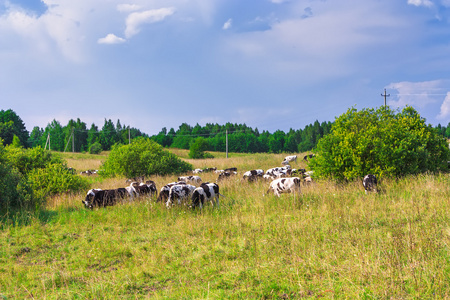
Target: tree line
pixel 243 139
pixel 77 136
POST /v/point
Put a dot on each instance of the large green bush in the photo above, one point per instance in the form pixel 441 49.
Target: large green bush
pixel 381 142
pixel 143 157
pixel 29 176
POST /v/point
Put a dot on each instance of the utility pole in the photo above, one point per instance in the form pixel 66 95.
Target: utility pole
pixel 385 95
pixel 226 141
pixel 73 142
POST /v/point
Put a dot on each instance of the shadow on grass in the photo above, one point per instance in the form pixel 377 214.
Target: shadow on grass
pixel 13 218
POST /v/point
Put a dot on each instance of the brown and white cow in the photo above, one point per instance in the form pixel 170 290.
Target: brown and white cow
pixel 206 192
pixel 285 185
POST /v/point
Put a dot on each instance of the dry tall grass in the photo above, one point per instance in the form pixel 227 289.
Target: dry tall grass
pixel 332 241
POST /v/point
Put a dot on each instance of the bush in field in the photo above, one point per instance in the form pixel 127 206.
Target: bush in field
pixel 95 148
pixel 198 148
pixel 28 176
pixel 380 142
pixel 142 157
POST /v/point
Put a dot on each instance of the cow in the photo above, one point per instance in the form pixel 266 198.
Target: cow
pixel 288 159
pixel 164 192
pixel 285 185
pixel 226 174
pixel 370 183
pixel 230 170
pixel 147 188
pixel 103 198
pixel 209 169
pixel 306 157
pixel 188 179
pixel 179 192
pixel 206 192
pixel 253 175
pixel 196 171
pixel 279 172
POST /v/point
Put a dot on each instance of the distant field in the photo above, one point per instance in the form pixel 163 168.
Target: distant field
pixel 333 241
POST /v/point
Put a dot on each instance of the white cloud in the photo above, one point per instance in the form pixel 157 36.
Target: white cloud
pixel 227 24
pixel 426 3
pixel 111 39
pixel 445 108
pixel 135 20
pixel 128 7
pixel 418 94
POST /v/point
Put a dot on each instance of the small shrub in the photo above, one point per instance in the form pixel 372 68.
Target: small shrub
pixel 95 148
pixel 143 157
pixel 198 148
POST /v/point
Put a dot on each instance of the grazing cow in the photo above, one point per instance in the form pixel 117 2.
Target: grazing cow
pixel 230 170
pixel 226 174
pixel 209 169
pixel 196 171
pixel 206 192
pixel 288 159
pixel 219 171
pixel 308 181
pixel 103 198
pixel 253 175
pixel 370 183
pixel 285 185
pixel 305 158
pixel 147 188
pixel 164 192
pixel 179 192
pixel 188 179
pixel 279 172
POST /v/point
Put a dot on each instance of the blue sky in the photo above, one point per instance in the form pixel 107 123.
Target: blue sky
pixel 272 64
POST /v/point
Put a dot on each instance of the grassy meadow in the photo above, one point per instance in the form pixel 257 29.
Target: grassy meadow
pixel 330 242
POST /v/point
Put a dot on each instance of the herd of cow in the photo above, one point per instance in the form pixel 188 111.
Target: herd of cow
pixel 197 193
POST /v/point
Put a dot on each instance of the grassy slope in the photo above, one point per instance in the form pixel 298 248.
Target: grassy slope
pixel 332 242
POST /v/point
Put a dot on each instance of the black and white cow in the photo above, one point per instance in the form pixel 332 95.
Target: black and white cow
pixel 306 157
pixel 253 175
pixel 103 198
pixel 164 192
pixel 288 159
pixel 140 189
pixel 226 174
pixel 190 179
pixel 370 183
pixel 278 172
pixel 179 192
pixel 196 171
pixel 285 185
pixel 230 170
pixel 206 192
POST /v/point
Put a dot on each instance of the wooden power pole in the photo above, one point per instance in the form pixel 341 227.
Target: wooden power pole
pixel 385 96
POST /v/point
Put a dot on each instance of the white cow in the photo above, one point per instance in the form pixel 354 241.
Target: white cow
pixel 285 185
pixel 288 159
pixel 188 179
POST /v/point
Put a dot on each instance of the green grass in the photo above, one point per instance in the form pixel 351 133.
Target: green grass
pixel 333 241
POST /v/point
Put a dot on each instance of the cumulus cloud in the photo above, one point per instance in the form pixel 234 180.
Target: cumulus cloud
pixel 128 7
pixel 426 3
pixel 418 94
pixel 227 24
pixel 135 20
pixel 444 114
pixel 111 39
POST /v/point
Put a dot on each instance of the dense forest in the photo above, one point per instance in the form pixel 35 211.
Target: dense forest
pixel 78 137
